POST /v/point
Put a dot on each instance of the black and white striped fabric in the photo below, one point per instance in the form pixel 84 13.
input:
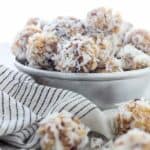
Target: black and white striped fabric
pixel 24 103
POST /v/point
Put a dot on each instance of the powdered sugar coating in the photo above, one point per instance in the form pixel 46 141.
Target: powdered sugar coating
pixel 62 131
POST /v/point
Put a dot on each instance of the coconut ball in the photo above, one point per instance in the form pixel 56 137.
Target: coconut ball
pixel 140 39
pixel 133 58
pixel 36 22
pixel 134 114
pixel 66 27
pixel 40 50
pixel 104 20
pixel 135 139
pixel 19 46
pixel 77 55
pixel 110 44
pixel 62 131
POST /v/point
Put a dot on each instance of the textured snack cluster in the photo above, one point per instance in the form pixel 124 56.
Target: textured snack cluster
pixel 66 27
pixel 134 139
pixel 132 126
pixel 62 131
pixel 80 54
pixel 140 39
pixel 134 114
pixel 103 42
pixel 19 47
pixel 104 20
pixel 132 58
pixel 41 49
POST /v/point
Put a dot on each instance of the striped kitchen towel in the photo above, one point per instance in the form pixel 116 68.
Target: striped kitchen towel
pixel 24 103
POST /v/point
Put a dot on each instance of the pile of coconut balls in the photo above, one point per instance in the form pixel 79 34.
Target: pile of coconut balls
pixel 103 42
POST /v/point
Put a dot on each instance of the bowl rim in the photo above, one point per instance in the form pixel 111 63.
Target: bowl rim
pixel 82 76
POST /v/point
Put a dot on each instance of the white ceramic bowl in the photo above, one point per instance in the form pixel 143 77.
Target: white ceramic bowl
pixel 104 89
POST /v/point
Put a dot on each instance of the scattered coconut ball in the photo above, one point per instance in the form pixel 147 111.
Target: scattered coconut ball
pixel 140 39
pixel 36 22
pixel 41 49
pixel 62 131
pixel 133 58
pixel 104 20
pixel 134 139
pixel 66 27
pixel 77 55
pixel 134 114
pixel 19 46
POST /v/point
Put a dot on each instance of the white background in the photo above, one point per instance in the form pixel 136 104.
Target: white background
pixel 14 13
